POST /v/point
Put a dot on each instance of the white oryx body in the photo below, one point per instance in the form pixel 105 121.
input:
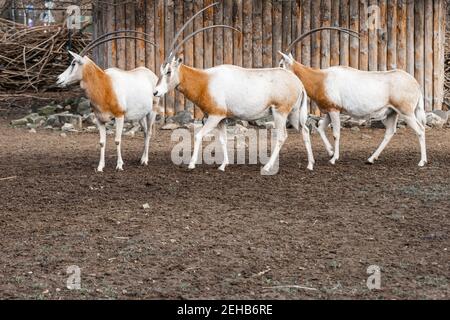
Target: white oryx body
pixel 132 90
pixel 362 94
pixel 247 94
pixel 229 91
pixel 114 93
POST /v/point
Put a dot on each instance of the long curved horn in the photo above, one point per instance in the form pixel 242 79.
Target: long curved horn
pixel 301 37
pixel 201 30
pixel 178 34
pixel 116 38
pixel 92 43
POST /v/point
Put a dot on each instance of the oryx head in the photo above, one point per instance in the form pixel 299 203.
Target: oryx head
pixel 169 78
pixel 74 73
pixel 287 60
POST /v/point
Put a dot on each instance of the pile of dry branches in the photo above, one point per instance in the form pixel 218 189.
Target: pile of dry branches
pixel 32 58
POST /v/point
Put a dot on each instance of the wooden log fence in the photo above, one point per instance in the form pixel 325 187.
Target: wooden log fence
pixel 404 34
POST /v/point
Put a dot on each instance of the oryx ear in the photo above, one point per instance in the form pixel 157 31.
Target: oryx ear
pixel 291 56
pixel 286 58
pixel 77 57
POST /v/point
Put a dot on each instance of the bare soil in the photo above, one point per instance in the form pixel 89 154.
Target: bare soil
pixel 209 234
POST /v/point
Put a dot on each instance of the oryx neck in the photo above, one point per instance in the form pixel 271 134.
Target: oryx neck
pixel 92 74
pixel 312 79
pixel 193 82
pixel 99 89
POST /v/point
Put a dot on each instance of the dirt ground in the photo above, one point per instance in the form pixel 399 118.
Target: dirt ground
pixel 234 235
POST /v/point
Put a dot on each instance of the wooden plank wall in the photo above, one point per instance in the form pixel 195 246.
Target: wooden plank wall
pixel 404 34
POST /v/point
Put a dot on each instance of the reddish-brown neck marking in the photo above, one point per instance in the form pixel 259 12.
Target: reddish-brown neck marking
pixel 99 89
pixel 194 85
pixel 314 82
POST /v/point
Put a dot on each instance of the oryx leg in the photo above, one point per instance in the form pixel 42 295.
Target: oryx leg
pixel 211 123
pixel 336 123
pixel 281 136
pixel 102 131
pixel 119 128
pixel 223 142
pixel 322 127
pixel 391 129
pixel 307 141
pixel 419 129
pixel 147 126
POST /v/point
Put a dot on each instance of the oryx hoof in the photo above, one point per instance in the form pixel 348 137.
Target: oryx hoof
pixel 144 162
pixel 422 163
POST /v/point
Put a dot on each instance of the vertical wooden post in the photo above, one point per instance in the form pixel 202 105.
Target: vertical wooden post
pixel 286 24
pixel 150 26
pixel 297 22
pixel 130 44
pixel 354 25
pixel 218 35
pixel 247 31
pixel 325 35
pixel 410 38
pixel 335 36
pixel 428 55
pixel 438 50
pixel 121 44
pixel 344 58
pixel 199 49
pixel 228 34
pixel 306 43
pixel 392 35
pixel 382 36
pixel 159 34
pixel 364 34
pixel 276 30
pixel 257 34
pixel 315 45
pixel 373 21
pixel 169 25
pixel 208 35
pixel 188 47
pixel 267 34
pixel 140 26
pixel 401 34
pixel 419 29
pixel 315 37
pixel 306 26
pixel 112 45
pixel 237 38
pixel 179 21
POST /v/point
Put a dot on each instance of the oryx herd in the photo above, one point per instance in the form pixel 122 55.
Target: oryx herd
pixel 229 91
